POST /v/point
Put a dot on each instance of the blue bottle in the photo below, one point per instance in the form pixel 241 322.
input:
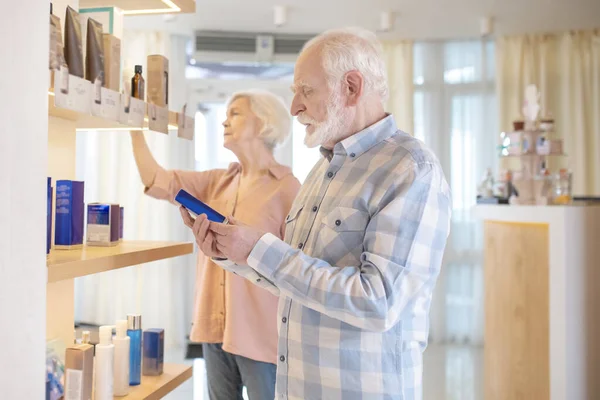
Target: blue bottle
pixel 134 331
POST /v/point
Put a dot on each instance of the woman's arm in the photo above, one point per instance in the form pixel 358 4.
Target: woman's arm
pixel 146 164
pixel 164 184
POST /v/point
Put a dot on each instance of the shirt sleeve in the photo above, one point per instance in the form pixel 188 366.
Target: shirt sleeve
pixel 167 184
pixel 402 255
pixel 248 273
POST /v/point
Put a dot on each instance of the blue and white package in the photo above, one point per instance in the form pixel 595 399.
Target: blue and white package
pixel 69 219
pixel 154 350
pixel 49 217
pixel 103 224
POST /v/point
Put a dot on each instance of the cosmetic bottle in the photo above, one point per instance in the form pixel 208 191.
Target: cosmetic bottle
pixel 85 337
pixel 121 342
pixel 154 350
pixel 105 360
pixel 134 331
pixel 79 372
pixel 158 80
pixel 138 84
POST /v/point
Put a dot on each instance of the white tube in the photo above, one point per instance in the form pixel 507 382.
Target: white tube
pixel 105 354
pixel 121 372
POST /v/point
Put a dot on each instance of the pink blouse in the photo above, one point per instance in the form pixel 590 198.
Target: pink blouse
pixel 229 309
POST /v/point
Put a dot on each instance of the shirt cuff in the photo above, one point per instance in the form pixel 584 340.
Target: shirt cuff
pixel 247 272
pixel 267 255
pixel 160 187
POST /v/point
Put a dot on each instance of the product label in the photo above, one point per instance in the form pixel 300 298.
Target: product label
pixel 132 111
pixel 75 95
pixel 185 128
pixel 98 91
pixel 98 228
pixel 74 384
pixel 64 79
pixel 109 107
pixel 158 119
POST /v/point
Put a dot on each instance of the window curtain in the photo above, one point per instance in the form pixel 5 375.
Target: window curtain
pixel 455 115
pixel 399 64
pixel 566 69
pixel 162 291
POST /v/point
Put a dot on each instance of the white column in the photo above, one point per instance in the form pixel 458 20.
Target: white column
pixel 24 37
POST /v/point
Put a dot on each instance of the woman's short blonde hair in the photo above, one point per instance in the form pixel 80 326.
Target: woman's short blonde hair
pixel 271 110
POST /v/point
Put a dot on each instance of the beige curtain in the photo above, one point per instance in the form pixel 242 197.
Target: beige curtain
pixel 399 63
pixel 566 69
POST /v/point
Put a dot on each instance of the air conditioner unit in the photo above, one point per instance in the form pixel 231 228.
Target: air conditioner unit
pixel 246 47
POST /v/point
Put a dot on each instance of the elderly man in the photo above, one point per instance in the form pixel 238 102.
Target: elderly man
pixel 363 242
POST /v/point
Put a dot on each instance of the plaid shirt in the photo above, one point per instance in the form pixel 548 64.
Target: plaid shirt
pixel 355 275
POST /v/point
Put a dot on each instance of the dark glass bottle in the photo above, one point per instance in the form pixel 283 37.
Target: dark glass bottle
pixel 138 84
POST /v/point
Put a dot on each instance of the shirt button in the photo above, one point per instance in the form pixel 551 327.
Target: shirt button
pixel 282 358
pixel 352 155
pixel 284 320
pixel 330 174
pixel 300 246
pixel 338 222
pixel 315 208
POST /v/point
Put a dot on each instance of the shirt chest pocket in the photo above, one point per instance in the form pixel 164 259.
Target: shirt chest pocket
pixel 290 223
pixel 342 233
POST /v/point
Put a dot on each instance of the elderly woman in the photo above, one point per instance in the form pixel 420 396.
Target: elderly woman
pixel 235 320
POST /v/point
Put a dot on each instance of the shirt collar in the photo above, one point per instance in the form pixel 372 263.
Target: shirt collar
pixel 357 144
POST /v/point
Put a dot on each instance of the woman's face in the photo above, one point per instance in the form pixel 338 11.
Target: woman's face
pixel 241 125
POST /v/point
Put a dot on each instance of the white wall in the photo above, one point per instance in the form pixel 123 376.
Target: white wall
pixel 23 142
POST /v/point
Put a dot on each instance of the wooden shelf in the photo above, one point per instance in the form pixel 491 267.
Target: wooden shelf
pixel 157 387
pixel 88 122
pixel 68 264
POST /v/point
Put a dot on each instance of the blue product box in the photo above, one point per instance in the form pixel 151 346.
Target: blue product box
pixel 154 350
pixel 69 215
pixel 49 217
pixel 121 222
pixel 103 224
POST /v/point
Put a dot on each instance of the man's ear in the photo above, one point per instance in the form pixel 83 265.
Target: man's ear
pixel 354 83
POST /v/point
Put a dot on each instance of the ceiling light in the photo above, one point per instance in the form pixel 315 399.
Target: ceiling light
pixel 173 8
pixel 280 15
pixel 386 21
pixel 486 26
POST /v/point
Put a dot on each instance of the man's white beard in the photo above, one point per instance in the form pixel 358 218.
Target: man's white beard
pixel 329 130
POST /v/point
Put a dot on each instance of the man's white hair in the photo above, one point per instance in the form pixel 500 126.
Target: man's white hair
pixel 353 49
pixel 273 113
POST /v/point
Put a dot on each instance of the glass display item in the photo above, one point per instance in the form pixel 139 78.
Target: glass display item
pixel 562 188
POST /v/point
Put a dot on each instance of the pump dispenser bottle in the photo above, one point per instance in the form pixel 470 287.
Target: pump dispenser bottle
pixel 121 342
pixel 134 331
pixel 105 353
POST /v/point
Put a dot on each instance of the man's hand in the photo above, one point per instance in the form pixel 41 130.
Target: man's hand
pixel 235 240
pixel 204 237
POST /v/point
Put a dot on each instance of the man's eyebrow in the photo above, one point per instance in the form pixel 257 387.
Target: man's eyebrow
pixel 299 85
